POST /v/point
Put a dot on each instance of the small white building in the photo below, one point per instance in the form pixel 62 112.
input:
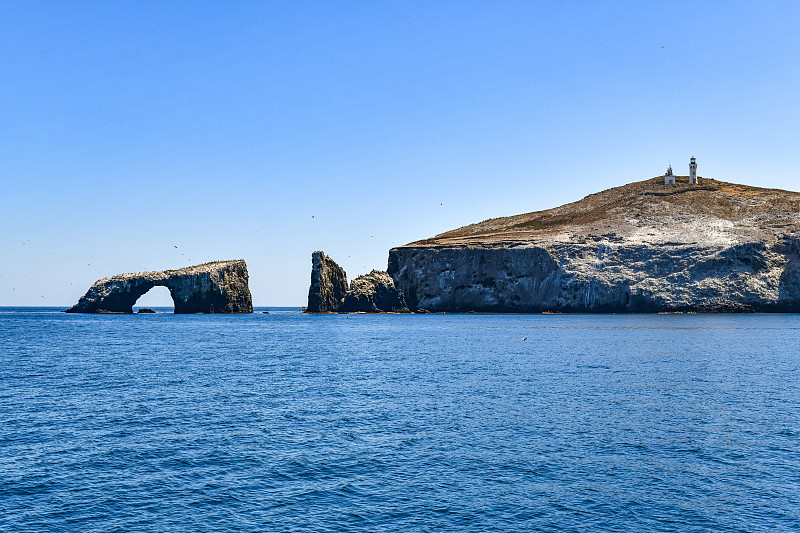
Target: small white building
pixel 669 177
pixel 692 170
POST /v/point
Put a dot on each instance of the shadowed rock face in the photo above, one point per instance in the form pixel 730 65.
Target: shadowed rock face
pixel 599 277
pixel 642 247
pixel 371 293
pixel 217 287
pixel 328 285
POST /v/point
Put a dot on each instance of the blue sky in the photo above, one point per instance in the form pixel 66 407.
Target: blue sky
pixel 145 136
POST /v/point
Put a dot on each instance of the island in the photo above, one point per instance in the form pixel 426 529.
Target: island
pixel 216 287
pixel 665 244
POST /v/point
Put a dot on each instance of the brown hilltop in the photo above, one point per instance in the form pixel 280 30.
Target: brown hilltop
pixel 643 247
pixel 647 211
pixel 646 246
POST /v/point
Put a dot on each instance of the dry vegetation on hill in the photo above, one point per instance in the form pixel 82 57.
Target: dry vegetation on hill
pixel 646 207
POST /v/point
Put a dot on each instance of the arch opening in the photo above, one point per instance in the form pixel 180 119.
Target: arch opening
pixel 157 298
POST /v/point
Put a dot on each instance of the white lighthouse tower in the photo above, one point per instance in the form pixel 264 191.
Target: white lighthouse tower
pixel 692 170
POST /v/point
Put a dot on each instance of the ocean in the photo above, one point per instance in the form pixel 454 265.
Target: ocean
pixel 348 423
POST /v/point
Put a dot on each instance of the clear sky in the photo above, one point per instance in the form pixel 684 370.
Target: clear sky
pixel 145 136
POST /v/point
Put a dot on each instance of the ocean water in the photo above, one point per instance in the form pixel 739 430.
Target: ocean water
pixel 342 423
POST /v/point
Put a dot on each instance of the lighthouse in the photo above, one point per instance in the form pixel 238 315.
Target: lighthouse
pixel 692 170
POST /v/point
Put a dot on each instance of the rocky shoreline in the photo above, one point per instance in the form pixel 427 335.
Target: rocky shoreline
pixel 369 293
pixel 645 247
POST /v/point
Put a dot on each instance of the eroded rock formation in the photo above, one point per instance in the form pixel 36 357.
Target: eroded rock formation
pixel 642 247
pixel 374 293
pixel 370 293
pixel 328 285
pixel 217 287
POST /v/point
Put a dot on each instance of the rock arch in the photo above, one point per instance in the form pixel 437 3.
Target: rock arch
pixel 217 287
pixel 158 296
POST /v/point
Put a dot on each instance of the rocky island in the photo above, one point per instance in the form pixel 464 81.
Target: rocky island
pixel 216 287
pixel 689 245
pixel 370 293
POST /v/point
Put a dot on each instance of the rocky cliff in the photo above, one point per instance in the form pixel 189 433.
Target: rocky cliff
pixel 370 293
pixel 218 287
pixel 642 247
pixel 374 293
pixel 328 284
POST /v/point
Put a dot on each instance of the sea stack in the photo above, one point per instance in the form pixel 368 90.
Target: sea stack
pixel 370 293
pixel 328 285
pixel 217 287
pixel 374 293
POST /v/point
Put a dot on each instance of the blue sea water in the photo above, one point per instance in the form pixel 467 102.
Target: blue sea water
pixel 329 423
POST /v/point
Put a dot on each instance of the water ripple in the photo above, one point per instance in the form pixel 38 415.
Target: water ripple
pixel 399 423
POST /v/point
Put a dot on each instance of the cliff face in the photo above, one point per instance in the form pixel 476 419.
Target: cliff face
pixel 328 284
pixel 371 293
pixel 643 247
pixel 218 287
